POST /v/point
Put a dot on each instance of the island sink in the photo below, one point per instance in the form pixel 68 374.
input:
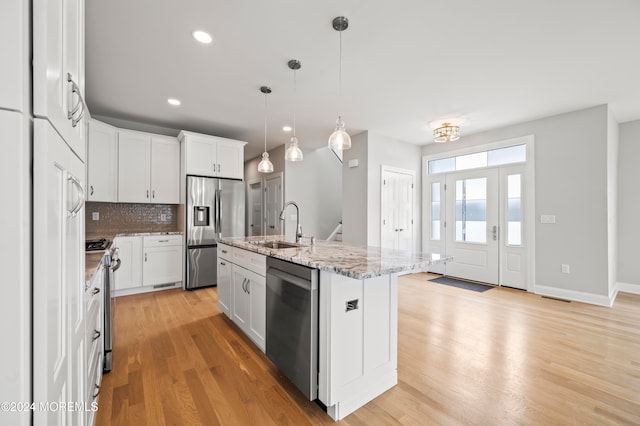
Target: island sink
pixel 276 244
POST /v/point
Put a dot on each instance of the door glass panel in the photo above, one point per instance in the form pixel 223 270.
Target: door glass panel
pixel 508 155
pixel 514 207
pixel 443 165
pixel 435 211
pixel 471 161
pixel 471 210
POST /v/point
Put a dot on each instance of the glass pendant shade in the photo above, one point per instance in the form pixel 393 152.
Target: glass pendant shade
pixel 294 153
pixel 265 166
pixel 340 139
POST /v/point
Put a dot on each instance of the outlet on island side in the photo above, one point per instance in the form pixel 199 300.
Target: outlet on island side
pixel 163 217
pixel 566 269
pixel 95 215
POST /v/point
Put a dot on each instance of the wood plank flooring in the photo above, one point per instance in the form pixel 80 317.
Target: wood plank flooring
pixel 498 357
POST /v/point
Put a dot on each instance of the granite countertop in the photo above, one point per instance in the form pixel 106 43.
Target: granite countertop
pixel 92 259
pixel 353 261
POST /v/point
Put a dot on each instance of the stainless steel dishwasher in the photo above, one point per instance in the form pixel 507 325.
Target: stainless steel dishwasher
pixel 292 323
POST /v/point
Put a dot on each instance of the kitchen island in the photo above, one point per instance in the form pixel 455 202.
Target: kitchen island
pixel 357 313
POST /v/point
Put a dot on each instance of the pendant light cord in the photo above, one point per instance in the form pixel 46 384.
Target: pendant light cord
pixel 340 76
pixel 265 122
pixel 295 99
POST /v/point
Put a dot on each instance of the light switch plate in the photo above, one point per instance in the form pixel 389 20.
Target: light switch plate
pixel 353 163
pixel 548 218
pixel 95 215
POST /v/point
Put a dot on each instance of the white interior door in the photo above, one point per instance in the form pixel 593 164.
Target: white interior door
pixel 254 201
pixel 397 209
pixel 472 225
pixel 273 204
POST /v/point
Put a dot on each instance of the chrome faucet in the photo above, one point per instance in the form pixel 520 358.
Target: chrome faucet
pixel 298 227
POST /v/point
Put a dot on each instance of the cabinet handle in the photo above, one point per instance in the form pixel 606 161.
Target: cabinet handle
pixel 96 391
pixel 76 208
pixel 224 251
pixel 223 264
pixel 71 112
pixel 145 257
pixel 248 286
pixel 218 167
pixel 153 194
pixel 91 193
pixel 163 241
pixel 147 193
pixel 96 335
pixel 95 291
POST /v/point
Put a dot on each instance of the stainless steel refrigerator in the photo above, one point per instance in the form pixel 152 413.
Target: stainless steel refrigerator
pixel 215 209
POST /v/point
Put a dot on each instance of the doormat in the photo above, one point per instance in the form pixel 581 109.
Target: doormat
pixel 462 284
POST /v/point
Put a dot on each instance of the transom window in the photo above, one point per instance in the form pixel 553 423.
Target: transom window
pixel 494 157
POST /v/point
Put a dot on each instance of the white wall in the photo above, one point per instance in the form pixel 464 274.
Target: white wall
pixel 571 180
pixel 315 184
pixel 354 191
pixel 361 185
pixel 629 208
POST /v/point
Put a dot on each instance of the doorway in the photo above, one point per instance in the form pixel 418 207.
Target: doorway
pixel 396 215
pixel 273 201
pixel 482 214
pixel 255 218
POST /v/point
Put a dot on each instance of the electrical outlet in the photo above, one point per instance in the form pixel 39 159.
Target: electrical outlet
pixel 163 217
pixel 548 218
pixel 95 215
pixel 566 269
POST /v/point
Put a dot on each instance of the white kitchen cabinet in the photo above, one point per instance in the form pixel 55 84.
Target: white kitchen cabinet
pixel 58 68
pixel 165 170
pixel 129 275
pixel 58 274
pixel 162 260
pixel 242 290
pixel 148 168
pixel 102 162
pixel 205 155
pixel 94 337
pixel 225 278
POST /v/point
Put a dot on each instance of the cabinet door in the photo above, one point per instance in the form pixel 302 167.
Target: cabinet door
pixel 58 271
pixel 14 45
pixel 58 51
pixel 102 162
pixel 130 272
pixel 241 301
pixel 230 159
pixel 134 159
pixel 201 157
pixel 258 302
pixel 162 265
pixel 224 286
pixel 165 170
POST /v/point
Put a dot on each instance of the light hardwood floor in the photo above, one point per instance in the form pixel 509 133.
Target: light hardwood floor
pixel 498 357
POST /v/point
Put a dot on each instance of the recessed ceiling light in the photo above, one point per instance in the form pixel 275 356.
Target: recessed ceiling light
pixel 202 36
pixel 286 128
pixel 173 101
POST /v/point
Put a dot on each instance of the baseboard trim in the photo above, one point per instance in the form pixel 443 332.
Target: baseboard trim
pixel 576 296
pixel 629 288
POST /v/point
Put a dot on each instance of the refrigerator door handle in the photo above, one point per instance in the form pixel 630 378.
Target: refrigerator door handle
pixel 219 221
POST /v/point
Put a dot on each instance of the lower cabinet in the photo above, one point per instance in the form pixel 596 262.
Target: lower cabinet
pixel 242 290
pixel 148 261
pixel 94 354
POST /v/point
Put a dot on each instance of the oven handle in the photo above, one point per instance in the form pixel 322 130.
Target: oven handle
pixel 290 278
pixel 117 265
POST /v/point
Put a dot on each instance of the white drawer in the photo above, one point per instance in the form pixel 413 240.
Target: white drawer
pixel 225 252
pixel 255 262
pixel 162 240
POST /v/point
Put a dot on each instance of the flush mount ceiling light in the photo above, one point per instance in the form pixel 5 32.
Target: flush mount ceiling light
pixel 340 139
pixel 202 36
pixel 446 133
pixel 173 101
pixel 265 166
pixel 293 152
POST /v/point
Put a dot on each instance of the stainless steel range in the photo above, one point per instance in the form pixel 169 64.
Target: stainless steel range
pixel 111 263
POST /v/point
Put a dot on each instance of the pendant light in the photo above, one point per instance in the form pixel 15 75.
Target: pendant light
pixel 293 152
pixel 265 166
pixel 340 139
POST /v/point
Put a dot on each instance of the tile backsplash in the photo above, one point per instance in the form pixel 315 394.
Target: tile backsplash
pixel 117 218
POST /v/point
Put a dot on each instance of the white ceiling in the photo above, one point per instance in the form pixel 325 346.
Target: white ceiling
pixel 405 64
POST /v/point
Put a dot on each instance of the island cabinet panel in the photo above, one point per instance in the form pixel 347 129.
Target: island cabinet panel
pixel 358 331
pixel 225 278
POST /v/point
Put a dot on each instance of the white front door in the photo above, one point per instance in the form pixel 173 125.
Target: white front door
pixel 472 225
pixel 397 209
pixel 273 204
pixel 254 201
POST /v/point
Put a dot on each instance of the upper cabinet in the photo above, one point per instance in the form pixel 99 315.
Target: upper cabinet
pixel 205 155
pixel 14 45
pixel 102 162
pixel 148 168
pixel 58 68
